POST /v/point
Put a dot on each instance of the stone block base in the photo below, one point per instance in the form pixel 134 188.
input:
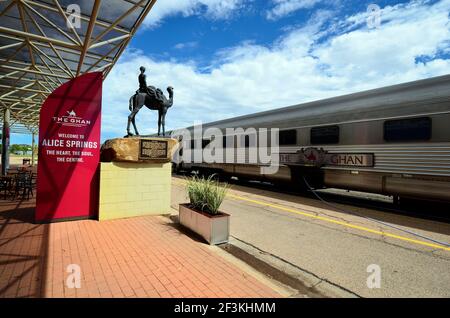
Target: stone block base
pixel 130 189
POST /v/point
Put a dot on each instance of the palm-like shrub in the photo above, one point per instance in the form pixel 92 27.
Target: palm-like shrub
pixel 206 194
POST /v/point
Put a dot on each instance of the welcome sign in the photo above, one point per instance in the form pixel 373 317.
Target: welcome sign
pixel 69 150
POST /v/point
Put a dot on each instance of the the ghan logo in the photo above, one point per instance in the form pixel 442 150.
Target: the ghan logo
pixel 313 156
pixel 353 159
pixel 319 157
pixel 72 120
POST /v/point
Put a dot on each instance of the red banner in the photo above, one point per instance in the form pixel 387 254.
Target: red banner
pixel 69 150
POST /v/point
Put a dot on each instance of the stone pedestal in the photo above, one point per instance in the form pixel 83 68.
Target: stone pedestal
pixel 135 177
pixel 137 149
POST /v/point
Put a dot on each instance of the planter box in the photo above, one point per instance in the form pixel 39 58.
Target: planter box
pixel 215 229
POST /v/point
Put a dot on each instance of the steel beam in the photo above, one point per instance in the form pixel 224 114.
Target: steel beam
pixel 5 140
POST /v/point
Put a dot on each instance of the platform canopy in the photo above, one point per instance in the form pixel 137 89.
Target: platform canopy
pixel 43 44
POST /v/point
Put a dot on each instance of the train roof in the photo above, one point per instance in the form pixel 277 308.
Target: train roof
pixel 411 98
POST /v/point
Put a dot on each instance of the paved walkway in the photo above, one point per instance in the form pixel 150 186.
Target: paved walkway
pixel 135 257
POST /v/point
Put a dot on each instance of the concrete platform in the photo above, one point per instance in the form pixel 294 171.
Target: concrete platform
pixel 328 249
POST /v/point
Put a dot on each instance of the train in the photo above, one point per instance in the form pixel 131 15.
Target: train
pixel 393 140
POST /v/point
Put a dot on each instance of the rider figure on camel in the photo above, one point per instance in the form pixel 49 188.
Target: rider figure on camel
pixel 143 81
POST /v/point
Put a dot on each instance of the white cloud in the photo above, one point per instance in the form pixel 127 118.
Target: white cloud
pixel 285 7
pixel 186 45
pixel 213 9
pixel 306 64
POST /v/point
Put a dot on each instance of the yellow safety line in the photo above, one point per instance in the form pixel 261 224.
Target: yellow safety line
pixel 362 228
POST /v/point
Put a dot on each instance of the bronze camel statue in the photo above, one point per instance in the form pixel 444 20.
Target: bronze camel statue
pixel 154 100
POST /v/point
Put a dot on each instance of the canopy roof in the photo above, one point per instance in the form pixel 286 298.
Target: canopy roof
pixel 43 46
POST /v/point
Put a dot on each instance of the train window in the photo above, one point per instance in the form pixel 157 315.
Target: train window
pixel 325 135
pixel 246 141
pixel 407 129
pixel 205 142
pixel 224 143
pixel 192 144
pixel 288 137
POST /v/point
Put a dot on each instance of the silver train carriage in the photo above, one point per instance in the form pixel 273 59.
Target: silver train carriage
pixel 393 140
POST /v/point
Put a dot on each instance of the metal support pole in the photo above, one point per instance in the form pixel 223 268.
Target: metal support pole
pixel 5 141
pixel 32 149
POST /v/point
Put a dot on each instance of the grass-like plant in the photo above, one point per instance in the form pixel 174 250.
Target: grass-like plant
pixel 206 194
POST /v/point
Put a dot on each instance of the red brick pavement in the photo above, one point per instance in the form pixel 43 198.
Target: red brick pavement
pixel 135 257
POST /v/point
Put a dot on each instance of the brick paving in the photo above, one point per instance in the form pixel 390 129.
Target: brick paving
pixel 137 257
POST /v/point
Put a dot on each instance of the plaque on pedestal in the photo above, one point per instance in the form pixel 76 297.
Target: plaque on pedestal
pixel 138 149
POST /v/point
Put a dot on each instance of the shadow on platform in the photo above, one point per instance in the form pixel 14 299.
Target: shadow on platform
pixel 23 250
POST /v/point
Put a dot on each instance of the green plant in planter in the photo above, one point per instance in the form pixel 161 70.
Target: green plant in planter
pixel 206 194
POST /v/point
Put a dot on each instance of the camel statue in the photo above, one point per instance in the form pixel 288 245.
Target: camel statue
pixel 154 100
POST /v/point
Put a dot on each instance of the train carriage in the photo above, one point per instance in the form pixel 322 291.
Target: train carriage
pixel 393 140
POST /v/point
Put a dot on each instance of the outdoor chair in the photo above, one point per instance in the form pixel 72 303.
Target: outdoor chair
pixel 6 185
pixel 33 181
pixel 23 185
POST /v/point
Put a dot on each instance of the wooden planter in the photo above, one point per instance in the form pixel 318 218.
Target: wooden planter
pixel 215 229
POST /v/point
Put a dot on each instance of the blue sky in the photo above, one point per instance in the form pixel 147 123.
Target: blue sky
pixel 232 57
pixel 199 36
